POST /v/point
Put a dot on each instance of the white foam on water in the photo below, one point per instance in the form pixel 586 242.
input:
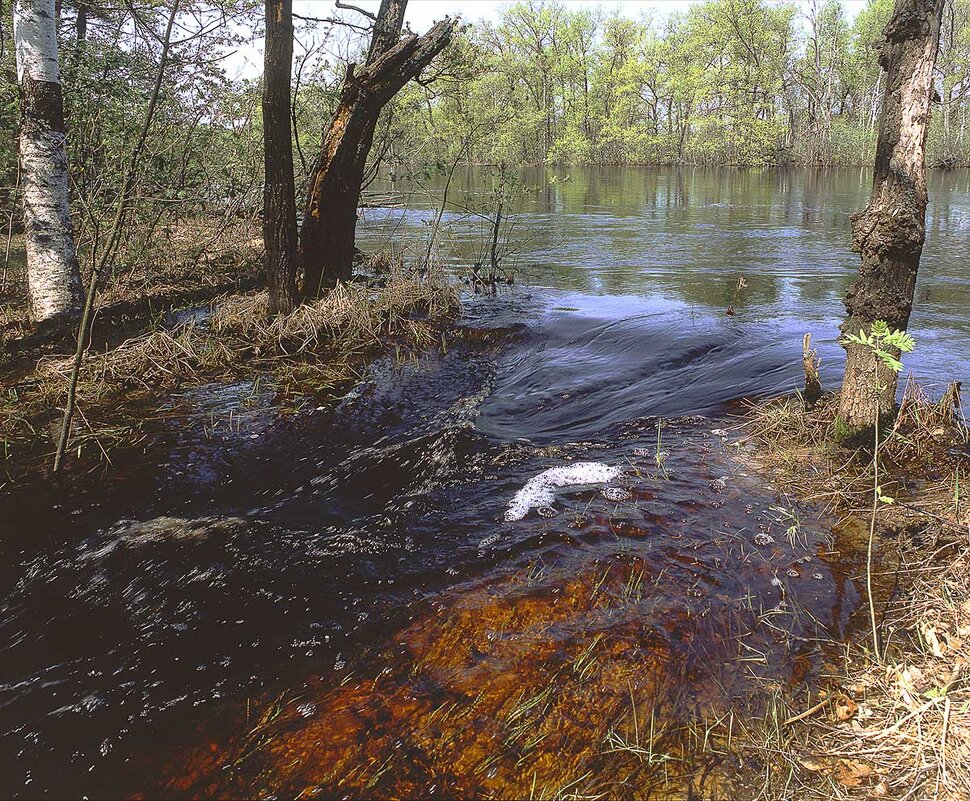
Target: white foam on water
pixel 539 490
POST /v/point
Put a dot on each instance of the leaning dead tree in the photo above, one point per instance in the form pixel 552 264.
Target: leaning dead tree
pixel 279 198
pixel 330 219
pixel 890 233
pixel 53 276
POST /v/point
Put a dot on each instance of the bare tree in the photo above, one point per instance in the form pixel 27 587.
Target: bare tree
pixel 279 194
pixel 53 277
pixel 121 208
pixel 890 233
pixel 329 223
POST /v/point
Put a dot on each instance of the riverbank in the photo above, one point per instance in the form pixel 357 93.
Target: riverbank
pixel 192 262
pixel 126 379
pixel 893 724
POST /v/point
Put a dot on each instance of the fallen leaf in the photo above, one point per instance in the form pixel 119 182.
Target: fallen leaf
pixel 845 708
pixel 908 682
pixel 932 640
pixel 812 763
pixel 851 772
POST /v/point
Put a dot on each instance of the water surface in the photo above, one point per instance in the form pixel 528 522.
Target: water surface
pixel 666 247
pixel 296 596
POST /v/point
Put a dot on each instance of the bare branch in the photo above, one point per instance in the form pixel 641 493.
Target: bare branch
pixel 348 7
pixel 332 21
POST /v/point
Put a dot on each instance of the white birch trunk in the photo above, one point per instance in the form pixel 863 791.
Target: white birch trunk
pixel 53 278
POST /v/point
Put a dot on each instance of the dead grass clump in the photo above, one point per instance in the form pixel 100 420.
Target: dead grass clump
pixel 150 362
pixel 926 431
pixel 351 317
pixel 803 449
pixel 798 448
pixel 316 348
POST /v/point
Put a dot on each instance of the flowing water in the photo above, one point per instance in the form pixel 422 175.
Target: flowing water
pixel 390 595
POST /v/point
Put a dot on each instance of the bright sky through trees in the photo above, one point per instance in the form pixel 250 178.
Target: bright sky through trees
pixel 421 14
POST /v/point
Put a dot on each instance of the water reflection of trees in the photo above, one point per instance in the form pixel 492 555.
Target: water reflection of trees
pixel 689 234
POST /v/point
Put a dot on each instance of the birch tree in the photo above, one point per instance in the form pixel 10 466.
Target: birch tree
pixel 53 277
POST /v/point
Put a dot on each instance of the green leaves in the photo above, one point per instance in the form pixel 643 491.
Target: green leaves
pixel 881 340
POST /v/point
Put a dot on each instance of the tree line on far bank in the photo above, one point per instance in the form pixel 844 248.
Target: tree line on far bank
pixel 739 82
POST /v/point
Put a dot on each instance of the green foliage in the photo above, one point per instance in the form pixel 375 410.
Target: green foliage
pixel 882 342
pixel 842 432
pixel 203 149
pixel 8 102
pixel 746 82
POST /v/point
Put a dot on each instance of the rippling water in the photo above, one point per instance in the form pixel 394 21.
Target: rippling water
pixel 662 250
pixel 298 598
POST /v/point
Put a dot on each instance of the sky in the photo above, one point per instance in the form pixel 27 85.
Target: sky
pixel 422 14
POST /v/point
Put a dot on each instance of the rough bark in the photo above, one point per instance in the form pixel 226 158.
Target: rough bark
pixel 330 219
pixel 279 194
pixel 890 233
pixel 53 277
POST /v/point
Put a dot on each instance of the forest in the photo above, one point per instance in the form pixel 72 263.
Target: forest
pixel 398 402
pixel 728 82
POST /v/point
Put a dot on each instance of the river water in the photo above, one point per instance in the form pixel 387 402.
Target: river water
pixel 389 595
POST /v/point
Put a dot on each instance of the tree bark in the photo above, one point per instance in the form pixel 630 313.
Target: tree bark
pixel 53 276
pixel 81 25
pixel 330 219
pixel 890 233
pixel 279 194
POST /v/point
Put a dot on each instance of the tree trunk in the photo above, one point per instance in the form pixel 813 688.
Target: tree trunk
pixel 81 25
pixel 890 233
pixel 330 219
pixel 53 277
pixel 279 194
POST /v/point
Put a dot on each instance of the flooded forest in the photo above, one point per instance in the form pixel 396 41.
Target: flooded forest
pixel 485 400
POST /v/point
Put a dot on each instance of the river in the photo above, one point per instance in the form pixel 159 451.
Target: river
pixel 389 595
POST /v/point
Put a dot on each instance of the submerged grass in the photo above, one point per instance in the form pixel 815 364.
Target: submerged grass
pixel 317 348
pixel 893 725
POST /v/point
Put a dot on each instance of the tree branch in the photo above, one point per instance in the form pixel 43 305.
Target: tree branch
pixel 348 7
pixel 388 73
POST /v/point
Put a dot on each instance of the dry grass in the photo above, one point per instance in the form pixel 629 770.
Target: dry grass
pixel 317 348
pixel 909 734
pixel 193 258
pixel 898 727
pixel 801 448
